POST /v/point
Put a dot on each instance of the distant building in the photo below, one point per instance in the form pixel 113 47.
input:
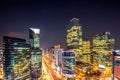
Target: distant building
pixel 57 49
pixel 74 37
pixel 54 55
pixel 103 45
pixel 58 59
pixel 16 58
pixel 51 55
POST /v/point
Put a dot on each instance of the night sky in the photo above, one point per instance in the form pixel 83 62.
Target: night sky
pixel 53 16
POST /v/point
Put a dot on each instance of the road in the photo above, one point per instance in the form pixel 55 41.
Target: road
pixel 46 74
pixel 52 72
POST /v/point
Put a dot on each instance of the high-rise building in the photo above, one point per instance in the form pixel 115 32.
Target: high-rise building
pixel 58 58
pixel 36 53
pixel 86 51
pixel 74 37
pixel 16 57
pixel 57 49
pixel 103 45
pixel 34 37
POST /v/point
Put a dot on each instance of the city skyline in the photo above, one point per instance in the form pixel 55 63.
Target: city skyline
pixel 53 17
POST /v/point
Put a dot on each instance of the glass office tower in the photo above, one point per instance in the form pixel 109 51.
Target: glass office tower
pixel 16 56
pixel 36 53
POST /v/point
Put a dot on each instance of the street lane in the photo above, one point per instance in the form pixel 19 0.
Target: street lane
pixel 46 74
pixel 53 73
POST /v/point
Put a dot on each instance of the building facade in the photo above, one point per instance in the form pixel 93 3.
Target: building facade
pixel 34 37
pixel 68 65
pixel 74 37
pixel 103 45
pixel 36 53
pixel 86 51
pixel 58 59
pixel 16 57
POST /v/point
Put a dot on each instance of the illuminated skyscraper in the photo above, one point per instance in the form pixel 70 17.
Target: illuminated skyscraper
pixel 74 37
pixel 36 53
pixel 34 37
pixel 103 45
